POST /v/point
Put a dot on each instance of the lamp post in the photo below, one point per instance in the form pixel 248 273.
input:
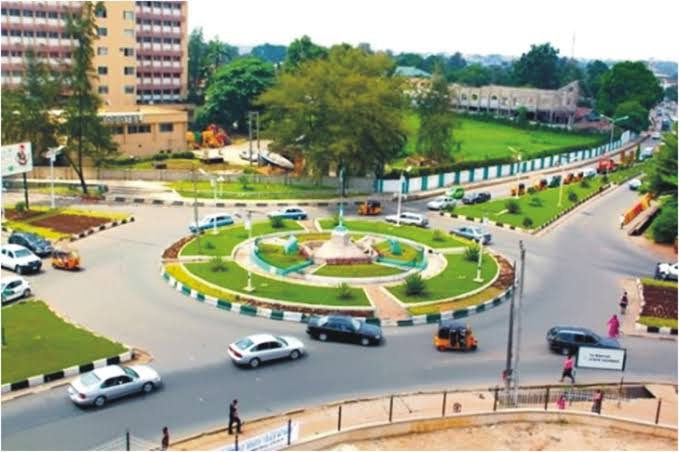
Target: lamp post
pixel 250 115
pixel 52 154
pixel 195 206
pixel 613 121
pixel 220 179
pixel 478 278
pixel 401 182
pixel 517 154
pixel 248 227
pixel 560 183
pixel 213 183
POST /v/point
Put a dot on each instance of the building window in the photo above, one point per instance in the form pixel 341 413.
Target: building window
pixel 103 89
pixel 129 89
pixel 28 13
pixel 127 51
pixel 128 70
pixel 166 127
pixel 102 51
pixel 129 32
pixel 128 15
pixel 138 128
pixel 102 70
pixel 118 130
pixel 102 31
pixel 40 14
pixel 100 11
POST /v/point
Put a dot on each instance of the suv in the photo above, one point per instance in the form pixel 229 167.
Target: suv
pixel 19 259
pixel 568 339
pixel 32 241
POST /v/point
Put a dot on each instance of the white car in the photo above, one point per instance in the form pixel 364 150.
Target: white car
pixel 211 221
pixel 410 218
pixel 588 172
pixel 441 203
pixel 112 382
pixel 19 259
pixel 667 271
pixel 254 350
pixel 13 288
pixel 634 184
pixel 290 213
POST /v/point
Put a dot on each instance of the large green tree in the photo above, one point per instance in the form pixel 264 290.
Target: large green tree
pixel 204 60
pixel 435 135
pixel 473 75
pixel 231 91
pixel 342 111
pixel 662 181
pixel 628 81
pixel 671 93
pixel 86 133
pixel 637 116
pixel 302 50
pixel 539 67
pixel 270 52
pixel 593 73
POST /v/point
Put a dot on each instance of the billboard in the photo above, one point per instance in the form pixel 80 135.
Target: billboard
pixel 601 358
pixel 16 159
pixel 271 440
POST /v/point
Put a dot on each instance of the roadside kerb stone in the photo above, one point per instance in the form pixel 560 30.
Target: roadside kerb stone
pixel 664 330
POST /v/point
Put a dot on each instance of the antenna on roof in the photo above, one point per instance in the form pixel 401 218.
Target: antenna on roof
pixel 573 48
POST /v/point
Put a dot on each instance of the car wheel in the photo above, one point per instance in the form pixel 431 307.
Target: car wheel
pixel 365 341
pixel 18 270
pixel 322 337
pixel 27 293
pixel 100 401
pixel 254 362
pixel 294 354
pixel 148 387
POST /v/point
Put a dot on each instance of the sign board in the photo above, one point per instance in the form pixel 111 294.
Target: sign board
pixel 270 440
pixel 122 118
pixel 601 358
pixel 16 159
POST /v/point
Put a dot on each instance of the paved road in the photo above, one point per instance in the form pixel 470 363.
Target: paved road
pixel 573 277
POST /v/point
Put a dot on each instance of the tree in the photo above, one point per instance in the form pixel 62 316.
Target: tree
pixel 217 54
pixel 343 111
pixel 539 67
pixel 410 59
pixel 455 62
pixel 593 73
pixel 569 71
pixel 302 50
pixel 628 81
pixel 671 93
pixel 637 116
pixel 204 59
pixel 473 75
pixel 231 91
pixel 662 177
pixel 270 52
pixel 87 135
pixel 435 135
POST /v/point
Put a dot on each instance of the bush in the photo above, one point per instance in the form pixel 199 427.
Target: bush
pixel 20 207
pixel 527 222
pixel 604 179
pixel 415 284
pixel 160 156
pixel 209 245
pixel 183 155
pixel 471 253
pixel 217 264
pixel 344 292
pixel 572 196
pixel 664 228
pixel 276 222
pixel 512 206
pixel 249 170
pixel 584 183
pixel 438 235
pixel 244 181
pixel 335 219
pixel 531 190
pixel 450 208
pixel 536 201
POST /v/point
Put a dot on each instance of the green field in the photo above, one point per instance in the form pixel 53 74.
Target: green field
pixel 496 211
pixel 227 238
pixel 357 270
pixel 236 277
pixel 39 342
pixel 456 279
pixel 420 235
pixel 482 140
pixel 408 253
pixel 234 190
pixel 275 255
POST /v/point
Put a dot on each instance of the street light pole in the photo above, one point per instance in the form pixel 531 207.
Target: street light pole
pixel 478 278
pixel 401 181
pixel 195 206
pixel 518 323
pixel 248 226
pixel 507 373
pixel 250 136
pixel 52 155
pixel 560 182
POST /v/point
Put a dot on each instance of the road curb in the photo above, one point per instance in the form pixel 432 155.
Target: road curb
pixel 661 331
pixel 237 204
pixel 103 227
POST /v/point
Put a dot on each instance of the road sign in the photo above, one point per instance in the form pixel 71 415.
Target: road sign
pixel 601 358
pixel 16 159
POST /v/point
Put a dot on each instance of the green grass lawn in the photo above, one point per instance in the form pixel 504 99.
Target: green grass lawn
pixel 275 255
pixel 657 321
pixel 626 173
pixel 408 253
pixel 38 342
pixel 485 140
pixel 420 235
pixel 235 278
pixel 456 279
pixel 496 210
pixel 227 238
pixel 357 270
pixel 234 190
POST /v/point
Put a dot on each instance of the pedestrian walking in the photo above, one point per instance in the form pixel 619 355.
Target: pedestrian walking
pixel 568 368
pixel 234 418
pixel 622 220
pixel 597 400
pixel 561 402
pixel 613 327
pixel 165 442
pixel 624 301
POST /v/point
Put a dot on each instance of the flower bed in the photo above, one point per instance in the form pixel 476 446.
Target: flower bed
pixel 660 304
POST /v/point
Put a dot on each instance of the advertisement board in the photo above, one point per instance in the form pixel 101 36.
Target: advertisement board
pixel 271 440
pixel 16 159
pixel 601 358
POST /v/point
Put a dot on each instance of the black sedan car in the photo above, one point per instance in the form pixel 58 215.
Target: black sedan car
pixel 568 339
pixel 33 242
pixel 344 329
pixel 476 198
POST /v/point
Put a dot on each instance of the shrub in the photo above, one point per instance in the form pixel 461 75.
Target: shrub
pixel 584 183
pixel 217 264
pixel 276 222
pixel 183 155
pixel 450 208
pixel 344 292
pixel 438 235
pixel 414 284
pixel 531 190
pixel 249 170
pixel 471 253
pixel 536 201
pixel 209 245
pixel 160 156
pixel 20 207
pixel 527 222
pixel 572 196
pixel 604 179
pixel 335 219
pixel 512 206
pixel 664 228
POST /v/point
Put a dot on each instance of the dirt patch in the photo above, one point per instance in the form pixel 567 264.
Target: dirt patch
pixel 506 277
pixel 659 302
pixel 70 224
pixel 173 251
pixel 14 215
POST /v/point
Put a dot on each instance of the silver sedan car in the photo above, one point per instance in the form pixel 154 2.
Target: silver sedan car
pixel 112 382
pixel 254 350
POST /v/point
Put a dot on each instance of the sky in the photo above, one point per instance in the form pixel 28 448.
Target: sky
pixel 603 29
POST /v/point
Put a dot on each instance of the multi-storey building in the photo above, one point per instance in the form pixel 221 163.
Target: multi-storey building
pixel 140 60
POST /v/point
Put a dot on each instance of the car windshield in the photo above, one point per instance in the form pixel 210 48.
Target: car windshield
pixel 90 379
pixel 22 253
pixel 244 344
pixel 322 321
pixel 130 372
pixel 281 340
pixel 355 324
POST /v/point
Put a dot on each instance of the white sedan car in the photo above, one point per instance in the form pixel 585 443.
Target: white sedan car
pixel 112 382
pixel 254 350
pixel 441 203
pixel 410 218
pixel 14 287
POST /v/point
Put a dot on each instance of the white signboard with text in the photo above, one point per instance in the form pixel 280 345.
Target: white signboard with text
pixel 601 358
pixel 16 159
pixel 270 440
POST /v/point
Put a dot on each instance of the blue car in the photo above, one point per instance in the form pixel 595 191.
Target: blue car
pixel 290 213
pixel 211 221
pixel 476 234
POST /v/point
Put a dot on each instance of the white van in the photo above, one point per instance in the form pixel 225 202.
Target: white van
pixel 589 172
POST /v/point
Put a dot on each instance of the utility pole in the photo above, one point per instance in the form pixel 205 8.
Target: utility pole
pixel 518 323
pixel 507 373
pixel 195 206
pixel 258 150
pixel 250 136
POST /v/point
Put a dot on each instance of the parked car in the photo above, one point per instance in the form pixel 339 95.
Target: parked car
pixel 441 203
pixel 473 233
pixel 411 218
pixel 476 198
pixel 589 172
pixel 13 288
pixel 344 329
pixel 290 213
pixel 254 350
pixel 19 259
pixel 211 221
pixel 634 184
pixel 666 271
pixel 33 242
pixel 105 384
pixel 568 339
pixel 647 153
pixel 455 192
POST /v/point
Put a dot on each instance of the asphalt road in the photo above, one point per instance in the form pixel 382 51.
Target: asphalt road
pixel 573 277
